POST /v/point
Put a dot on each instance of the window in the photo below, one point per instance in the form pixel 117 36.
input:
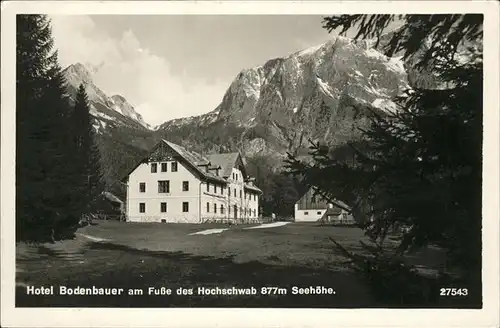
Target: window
pixel 208 186
pixel 236 176
pixel 164 186
pixel 240 193
pixel 185 207
pixel 318 213
pixel 215 188
pixel 142 207
pixel 142 187
pixel 208 207
pixel 254 212
pixel 229 209
pixel 163 207
pixel 222 209
pixel 154 167
pixel 173 167
pixel 164 167
pixel 229 191
pixel 222 190
pixel 215 208
pixel 234 192
pixel 233 176
pixel 306 213
pixel 254 197
pixel 185 185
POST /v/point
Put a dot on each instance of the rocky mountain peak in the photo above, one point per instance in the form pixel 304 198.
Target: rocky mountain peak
pixel 121 105
pixel 115 110
pixel 119 98
pixel 78 73
pixel 314 93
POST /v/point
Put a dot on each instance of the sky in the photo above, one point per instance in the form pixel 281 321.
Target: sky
pixel 179 65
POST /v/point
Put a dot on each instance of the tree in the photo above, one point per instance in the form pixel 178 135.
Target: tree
pixel 422 165
pixel 280 192
pixel 284 194
pixel 88 179
pixel 42 156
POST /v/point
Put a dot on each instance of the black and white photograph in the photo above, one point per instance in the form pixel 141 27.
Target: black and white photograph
pixel 217 160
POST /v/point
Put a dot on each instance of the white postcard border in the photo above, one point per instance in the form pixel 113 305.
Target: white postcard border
pixel 172 317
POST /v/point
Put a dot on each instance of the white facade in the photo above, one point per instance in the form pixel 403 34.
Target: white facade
pixel 153 199
pixel 308 215
pixel 189 194
pixel 313 208
pixel 230 201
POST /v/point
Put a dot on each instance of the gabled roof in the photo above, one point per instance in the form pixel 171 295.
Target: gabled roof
pixel 226 161
pixel 312 191
pixel 193 159
pixel 333 211
pixel 196 160
pixel 254 188
pixel 309 195
pixel 191 156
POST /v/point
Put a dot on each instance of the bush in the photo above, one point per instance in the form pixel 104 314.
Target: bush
pixel 391 280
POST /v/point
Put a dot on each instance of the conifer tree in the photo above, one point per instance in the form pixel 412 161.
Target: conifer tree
pixel 422 165
pixel 42 156
pixel 89 178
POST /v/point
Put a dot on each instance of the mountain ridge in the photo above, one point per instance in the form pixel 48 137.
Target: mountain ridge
pixel 117 107
pixel 267 102
pixel 323 93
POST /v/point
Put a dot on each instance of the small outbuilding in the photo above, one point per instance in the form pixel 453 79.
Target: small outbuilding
pixel 313 208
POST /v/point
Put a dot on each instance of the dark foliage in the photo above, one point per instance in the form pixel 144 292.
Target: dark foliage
pixel 48 199
pixel 394 282
pixel 88 176
pixel 421 166
pixel 280 191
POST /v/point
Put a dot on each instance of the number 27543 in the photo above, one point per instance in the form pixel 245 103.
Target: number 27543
pixel 453 292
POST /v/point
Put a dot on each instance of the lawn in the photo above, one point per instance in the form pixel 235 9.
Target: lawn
pixel 138 255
